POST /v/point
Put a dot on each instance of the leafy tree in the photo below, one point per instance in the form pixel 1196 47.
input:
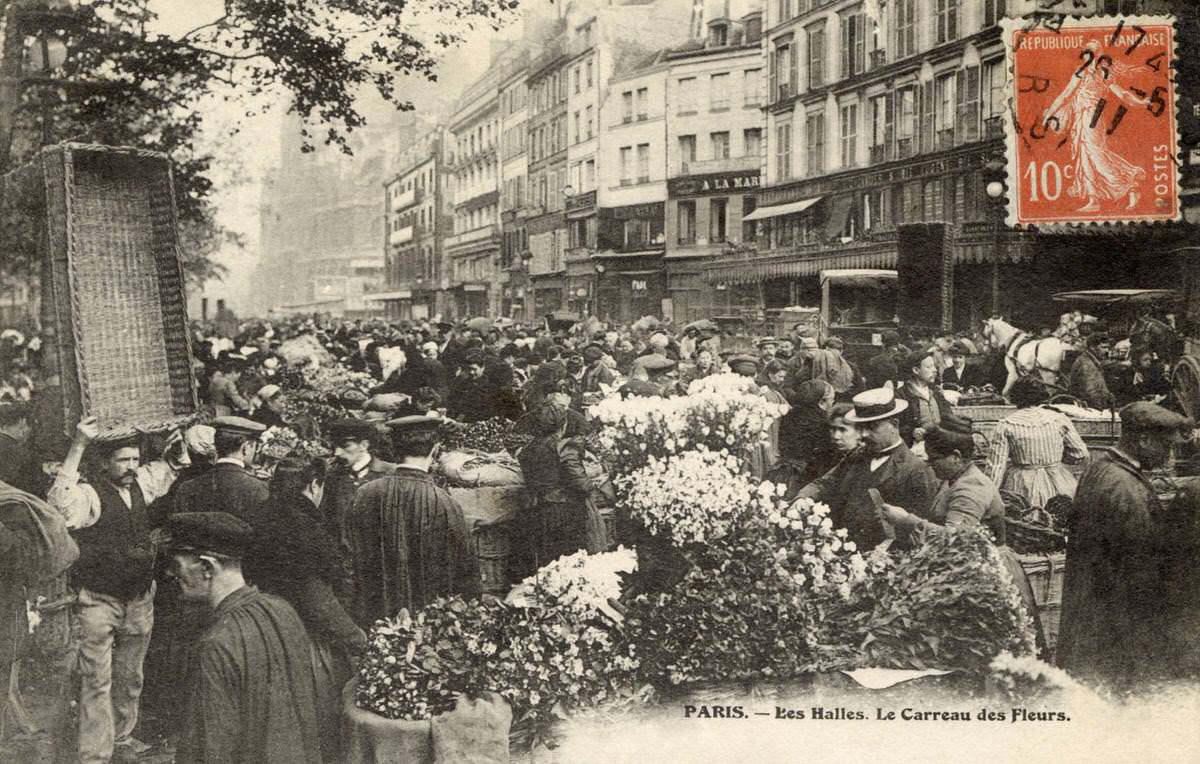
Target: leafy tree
pixel 124 83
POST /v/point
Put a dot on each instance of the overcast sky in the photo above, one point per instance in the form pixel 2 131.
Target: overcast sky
pixel 255 147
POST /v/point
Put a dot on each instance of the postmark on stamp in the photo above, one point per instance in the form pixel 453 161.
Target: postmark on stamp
pixel 1091 130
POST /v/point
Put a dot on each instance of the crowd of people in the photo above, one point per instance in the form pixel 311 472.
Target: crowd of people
pixel 268 587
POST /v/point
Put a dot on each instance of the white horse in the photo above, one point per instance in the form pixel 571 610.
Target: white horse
pixel 1023 353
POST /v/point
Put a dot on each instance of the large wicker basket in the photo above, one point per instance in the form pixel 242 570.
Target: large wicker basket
pixel 116 292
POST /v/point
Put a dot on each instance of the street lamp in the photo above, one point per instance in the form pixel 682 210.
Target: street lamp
pixel 596 289
pixel 995 190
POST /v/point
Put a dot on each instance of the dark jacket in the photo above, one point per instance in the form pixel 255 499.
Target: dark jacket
pixel 224 488
pixel 1112 587
pixel 1086 382
pixel 970 376
pixel 804 443
pixel 910 418
pixel 881 369
pixel 903 480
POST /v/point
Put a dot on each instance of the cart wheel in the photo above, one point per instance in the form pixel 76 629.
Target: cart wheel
pixel 1185 381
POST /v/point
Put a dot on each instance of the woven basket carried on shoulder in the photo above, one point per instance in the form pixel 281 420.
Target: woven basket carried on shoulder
pixel 119 311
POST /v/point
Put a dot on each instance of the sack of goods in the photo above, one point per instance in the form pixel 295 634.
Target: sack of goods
pixel 470 469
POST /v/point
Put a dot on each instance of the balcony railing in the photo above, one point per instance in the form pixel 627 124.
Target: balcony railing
pixel 730 164
pixel 483 233
pixel 945 138
pixel 783 91
pixel 403 201
pixel 402 235
pixel 878 59
pixel 882 153
pixel 905 147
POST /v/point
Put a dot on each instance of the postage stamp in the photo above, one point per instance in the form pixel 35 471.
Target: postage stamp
pixel 1091 130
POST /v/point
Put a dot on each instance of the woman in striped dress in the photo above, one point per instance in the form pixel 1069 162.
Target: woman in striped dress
pixel 1028 449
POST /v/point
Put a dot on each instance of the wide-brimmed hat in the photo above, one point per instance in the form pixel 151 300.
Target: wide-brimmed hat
pixel 874 405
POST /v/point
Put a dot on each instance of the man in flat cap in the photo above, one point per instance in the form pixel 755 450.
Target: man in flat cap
pixel 410 541
pixel 109 519
pixel 228 486
pixel 884 463
pixel 250 695
pixel 927 408
pixel 1113 590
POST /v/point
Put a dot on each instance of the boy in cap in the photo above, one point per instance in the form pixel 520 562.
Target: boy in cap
pixel 228 486
pixel 1113 590
pixel 251 695
pixel 410 541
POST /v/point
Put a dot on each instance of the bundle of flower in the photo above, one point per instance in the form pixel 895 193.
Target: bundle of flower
pixel 580 584
pixel 333 381
pixel 414 665
pixel 690 498
pixel 489 436
pixel 948 602
pixel 546 655
pixel 808 545
pixel 725 415
pixel 738 617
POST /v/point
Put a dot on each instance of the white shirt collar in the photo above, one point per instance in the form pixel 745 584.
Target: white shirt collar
pixel 361 464
pixel 231 460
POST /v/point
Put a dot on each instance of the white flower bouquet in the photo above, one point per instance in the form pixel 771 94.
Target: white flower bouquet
pixel 720 412
pixel 810 548
pixel 691 498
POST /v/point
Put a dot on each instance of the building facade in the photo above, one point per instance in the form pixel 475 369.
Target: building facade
pixel 515 290
pixel 472 252
pixel 414 214
pixel 714 153
pixel 546 225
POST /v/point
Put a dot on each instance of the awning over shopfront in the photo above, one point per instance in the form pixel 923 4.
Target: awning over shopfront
pixel 754 270
pixel 612 253
pixel 762 213
pixel 401 294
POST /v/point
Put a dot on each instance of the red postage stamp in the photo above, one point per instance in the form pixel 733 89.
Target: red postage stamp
pixel 1092 132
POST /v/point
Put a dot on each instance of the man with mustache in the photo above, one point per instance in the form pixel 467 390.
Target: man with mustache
pixel 115 579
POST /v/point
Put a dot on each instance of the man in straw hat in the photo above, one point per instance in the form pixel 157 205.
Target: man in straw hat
pixel 115 577
pixel 884 464
pixel 410 541
pixel 251 697
pixel 1112 590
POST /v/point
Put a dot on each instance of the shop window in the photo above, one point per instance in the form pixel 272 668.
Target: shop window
pixel 686 222
pixel 717 209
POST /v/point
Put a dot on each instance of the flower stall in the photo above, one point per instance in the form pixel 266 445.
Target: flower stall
pixel 732 587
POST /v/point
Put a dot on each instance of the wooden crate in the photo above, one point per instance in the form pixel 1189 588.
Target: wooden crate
pixel 493 548
pixel 117 309
pixel 1045 573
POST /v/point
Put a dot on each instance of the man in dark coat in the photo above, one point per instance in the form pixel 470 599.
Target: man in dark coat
pixel 1113 591
pixel 806 452
pixel 228 486
pixel 250 693
pixel 884 464
pixel 18 467
pixel 472 397
pixel 410 541
pixel 1086 380
pixel 884 368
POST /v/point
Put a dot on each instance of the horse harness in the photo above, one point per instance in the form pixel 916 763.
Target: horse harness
pixel 1020 340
